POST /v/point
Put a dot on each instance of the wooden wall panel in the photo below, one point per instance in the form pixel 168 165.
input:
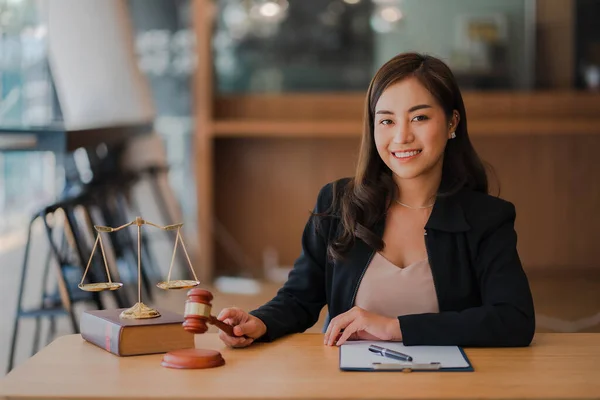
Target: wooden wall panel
pixel 203 12
pixel 340 115
pixel 555 43
pixel 553 182
pixel 348 107
pixel 285 106
pixel 266 187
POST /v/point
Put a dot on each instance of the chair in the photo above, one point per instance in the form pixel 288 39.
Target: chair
pixel 70 258
pixel 61 301
pixel 107 197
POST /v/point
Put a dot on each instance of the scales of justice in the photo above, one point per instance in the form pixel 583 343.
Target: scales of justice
pixel 139 310
pixel 197 307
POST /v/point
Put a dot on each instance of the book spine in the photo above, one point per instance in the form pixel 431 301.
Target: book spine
pixel 100 332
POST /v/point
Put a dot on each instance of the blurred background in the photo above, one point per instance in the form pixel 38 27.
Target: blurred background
pixel 230 115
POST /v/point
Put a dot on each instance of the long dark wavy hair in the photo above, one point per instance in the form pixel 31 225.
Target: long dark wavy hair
pixel 366 198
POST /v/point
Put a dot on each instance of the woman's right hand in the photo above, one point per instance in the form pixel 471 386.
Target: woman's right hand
pixel 246 326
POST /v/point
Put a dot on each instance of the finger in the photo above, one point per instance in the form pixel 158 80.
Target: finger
pixel 228 340
pixel 239 342
pixel 244 343
pixel 338 326
pixel 328 331
pixel 225 313
pixel 238 330
pixel 229 331
pixel 343 320
pixel 332 324
pixel 326 338
pixel 247 328
pixel 231 322
pixel 334 334
pixel 231 312
pixel 232 341
pixel 350 330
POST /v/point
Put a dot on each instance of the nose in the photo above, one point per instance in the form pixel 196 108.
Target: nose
pixel 402 134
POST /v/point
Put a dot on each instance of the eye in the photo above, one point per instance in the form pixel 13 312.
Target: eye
pixel 386 122
pixel 420 118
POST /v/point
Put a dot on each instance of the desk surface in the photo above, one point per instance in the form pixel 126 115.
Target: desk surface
pixel 556 366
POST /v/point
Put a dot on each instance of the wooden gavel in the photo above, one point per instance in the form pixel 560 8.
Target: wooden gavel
pixel 196 316
pixel 197 313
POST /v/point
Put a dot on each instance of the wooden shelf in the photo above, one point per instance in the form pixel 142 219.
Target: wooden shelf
pixel 353 129
pixel 333 115
pixel 287 129
pixel 336 106
pixel 534 126
pixel 257 177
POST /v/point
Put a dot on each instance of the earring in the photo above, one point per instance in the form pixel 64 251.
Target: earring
pixel 453 135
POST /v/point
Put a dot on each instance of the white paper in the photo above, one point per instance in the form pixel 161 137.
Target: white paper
pixel 356 354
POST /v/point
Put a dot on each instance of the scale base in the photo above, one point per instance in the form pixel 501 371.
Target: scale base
pixel 139 311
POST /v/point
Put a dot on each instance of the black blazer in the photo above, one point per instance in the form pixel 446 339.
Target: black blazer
pixel 483 293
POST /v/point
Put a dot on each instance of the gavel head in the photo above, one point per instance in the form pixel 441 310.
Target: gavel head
pixel 197 310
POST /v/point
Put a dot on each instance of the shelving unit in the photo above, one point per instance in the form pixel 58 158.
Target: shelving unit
pixel 261 160
pixel 489 114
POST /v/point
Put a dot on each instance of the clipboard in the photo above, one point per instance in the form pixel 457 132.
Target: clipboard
pixel 355 356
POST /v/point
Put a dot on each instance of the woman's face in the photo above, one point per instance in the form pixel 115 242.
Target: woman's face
pixel 411 130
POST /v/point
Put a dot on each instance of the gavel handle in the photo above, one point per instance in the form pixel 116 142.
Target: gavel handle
pixel 228 329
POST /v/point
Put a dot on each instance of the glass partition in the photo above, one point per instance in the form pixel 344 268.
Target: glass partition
pixel 336 45
pixel 27 101
pixel 165 48
pixel 27 93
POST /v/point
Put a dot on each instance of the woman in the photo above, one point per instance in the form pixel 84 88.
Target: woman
pixel 412 248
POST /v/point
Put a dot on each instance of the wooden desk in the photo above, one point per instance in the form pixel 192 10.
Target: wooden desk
pixel 556 366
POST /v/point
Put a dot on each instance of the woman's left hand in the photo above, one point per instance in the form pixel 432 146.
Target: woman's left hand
pixel 360 324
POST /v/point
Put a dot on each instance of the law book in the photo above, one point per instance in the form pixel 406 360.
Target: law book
pixel 130 337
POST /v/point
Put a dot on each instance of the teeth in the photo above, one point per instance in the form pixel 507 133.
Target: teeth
pixel 404 154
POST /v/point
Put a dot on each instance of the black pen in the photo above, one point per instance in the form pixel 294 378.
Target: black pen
pixel 396 355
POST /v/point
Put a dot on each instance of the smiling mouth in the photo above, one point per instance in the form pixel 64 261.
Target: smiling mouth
pixel 403 155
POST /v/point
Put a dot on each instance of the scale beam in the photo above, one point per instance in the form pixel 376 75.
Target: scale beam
pixel 139 310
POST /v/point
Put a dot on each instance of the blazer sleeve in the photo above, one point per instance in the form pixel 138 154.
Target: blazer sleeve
pixel 297 305
pixel 506 317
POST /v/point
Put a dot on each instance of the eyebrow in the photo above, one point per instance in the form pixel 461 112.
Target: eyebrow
pixel 412 109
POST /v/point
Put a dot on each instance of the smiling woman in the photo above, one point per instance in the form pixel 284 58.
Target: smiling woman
pixel 412 248
pixel 415 137
pixel 411 139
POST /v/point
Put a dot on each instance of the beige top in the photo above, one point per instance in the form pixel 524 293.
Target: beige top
pixel 392 291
